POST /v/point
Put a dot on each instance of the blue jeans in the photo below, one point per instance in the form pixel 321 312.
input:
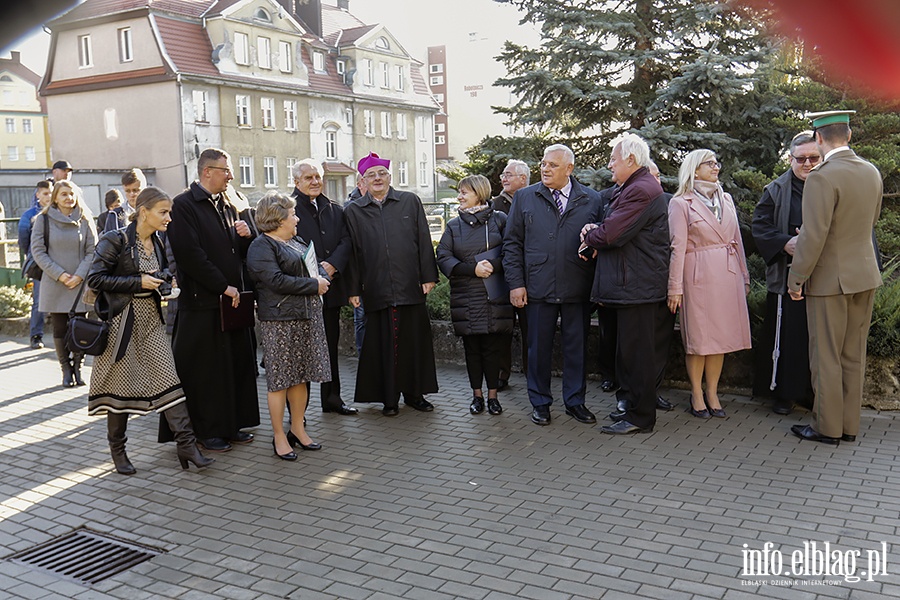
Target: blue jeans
pixel 359 326
pixel 37 317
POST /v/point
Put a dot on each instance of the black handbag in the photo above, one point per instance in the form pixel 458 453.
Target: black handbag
pixel 31 268
pixel 85 335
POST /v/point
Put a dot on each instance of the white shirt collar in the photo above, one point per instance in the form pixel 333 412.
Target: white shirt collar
pixel 833 150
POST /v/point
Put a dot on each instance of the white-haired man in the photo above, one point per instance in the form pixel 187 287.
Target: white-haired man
pixel 322 223
pixel 546 277
pixel 633 238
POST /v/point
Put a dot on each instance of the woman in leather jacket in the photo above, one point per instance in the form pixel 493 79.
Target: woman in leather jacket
pixel 291 325
pixel 136 373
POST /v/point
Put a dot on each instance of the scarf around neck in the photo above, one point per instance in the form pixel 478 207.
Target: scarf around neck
pixel 712 195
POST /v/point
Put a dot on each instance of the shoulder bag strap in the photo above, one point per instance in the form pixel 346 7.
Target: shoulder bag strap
pixel 77 299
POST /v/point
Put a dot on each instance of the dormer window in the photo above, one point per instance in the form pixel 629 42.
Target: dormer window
pixel 318 61
pixel 262 15
pixel 382 43
pixel 341 67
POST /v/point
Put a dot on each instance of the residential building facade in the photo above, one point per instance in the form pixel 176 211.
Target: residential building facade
pixel 150 83
pixel 24 143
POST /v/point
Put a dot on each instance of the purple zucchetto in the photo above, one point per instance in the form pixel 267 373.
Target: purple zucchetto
pixel 372 160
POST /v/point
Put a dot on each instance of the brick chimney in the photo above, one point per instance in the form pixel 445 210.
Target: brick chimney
pixel 14 57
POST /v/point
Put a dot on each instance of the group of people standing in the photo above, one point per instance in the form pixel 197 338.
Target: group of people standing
pixel 541 255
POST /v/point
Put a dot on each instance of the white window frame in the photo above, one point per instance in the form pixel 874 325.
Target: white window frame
pixel 440 127
pixel 348 116
pixel 331 144
pixel 385 124
pixel 424 180
pixel 420 128
pixel 318 61
pixel 368 72
pixel 242 106
pixel 291 161
pixel 267 110
pixel 290 115
pixel 436 68
pixel 245 169
pixel 369 122
pixel 285 63
pixel 85 54
pixel 12 153
pixel 440 140
pixel 30 154
pixel 401 78
pixel 385 76
pixel 27 126
pixel 439 98
pixel 264 52
pixel 402 130
pixel 126 47
pixel 403 174
pixel 436 80
pixel 341 67
pixel 201 106
pixel 241 48
pixel 10 125
pixel 270 171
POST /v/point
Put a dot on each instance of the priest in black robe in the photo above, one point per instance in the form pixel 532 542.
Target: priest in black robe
pixel 776 223
pixel 216 368
pixel 394 269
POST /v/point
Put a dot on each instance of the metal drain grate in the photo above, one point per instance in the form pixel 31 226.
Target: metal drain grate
pixel 85 556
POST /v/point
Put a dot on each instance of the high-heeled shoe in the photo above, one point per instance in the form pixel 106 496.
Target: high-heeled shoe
pixel 294 442
pixel 715 412
pixel 289 456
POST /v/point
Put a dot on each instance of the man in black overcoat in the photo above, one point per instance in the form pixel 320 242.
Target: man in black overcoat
pixel 216 367
pixel 322 223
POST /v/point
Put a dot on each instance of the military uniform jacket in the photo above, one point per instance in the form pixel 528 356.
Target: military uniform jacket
pixel 841 202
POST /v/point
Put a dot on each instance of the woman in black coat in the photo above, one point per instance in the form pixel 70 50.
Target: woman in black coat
pixel 136 373
pixel 469 254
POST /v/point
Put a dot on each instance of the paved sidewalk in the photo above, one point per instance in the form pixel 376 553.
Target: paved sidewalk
pixel 448 505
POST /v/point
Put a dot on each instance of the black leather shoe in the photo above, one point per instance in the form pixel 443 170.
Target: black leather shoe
pixel 624 428
pixel 241 437
pixel 848 438
pixel 477 406
pixel 805 432
pixel 215 444
pixel 580 413
pixel 289 456
pixel 617 416
pixel 663 404
pixel 782 407
pixel 494 407
pixel 420 404
pixel 294 441
pixel 343 409
pixel 700 414
pixel 540 415
pixel 390 411
pixel 608 385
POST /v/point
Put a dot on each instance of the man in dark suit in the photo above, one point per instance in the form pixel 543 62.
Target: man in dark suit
pixel 834 260
pixel 322 224
pixel 216 367
pixel 546 275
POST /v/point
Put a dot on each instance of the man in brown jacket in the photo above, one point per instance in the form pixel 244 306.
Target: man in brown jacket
pixel 835 260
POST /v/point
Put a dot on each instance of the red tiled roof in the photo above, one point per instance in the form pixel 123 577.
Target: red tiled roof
pixel 330 81
pixel 338 168
pixel 101 8
pixel 348 36
pixel 188 45
pixel 101 81
pixel 334 20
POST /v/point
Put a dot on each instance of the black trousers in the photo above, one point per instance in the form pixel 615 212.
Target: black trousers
pixel 484 353
pixel 331 390
pixel 506 356
pixel 60 322
pixel 642 350
pixel 606 319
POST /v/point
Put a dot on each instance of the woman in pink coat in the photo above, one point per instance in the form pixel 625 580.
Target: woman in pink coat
pixel 708 277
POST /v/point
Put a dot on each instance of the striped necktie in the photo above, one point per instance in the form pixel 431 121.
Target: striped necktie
pixel 559 206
